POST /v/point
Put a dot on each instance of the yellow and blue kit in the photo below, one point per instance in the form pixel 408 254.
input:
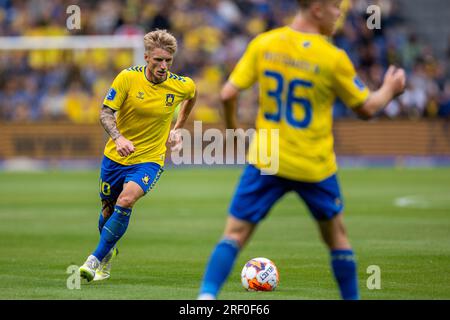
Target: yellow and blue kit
pixel 144 114
pixel 299 75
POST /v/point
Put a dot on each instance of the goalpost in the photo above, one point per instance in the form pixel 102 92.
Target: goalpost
pixel 133 42
pixel 28 146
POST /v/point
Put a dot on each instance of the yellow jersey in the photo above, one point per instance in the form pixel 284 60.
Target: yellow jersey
pixel 144 112
pixel 299 75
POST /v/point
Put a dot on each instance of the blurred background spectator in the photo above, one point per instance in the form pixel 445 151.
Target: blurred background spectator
pixel 69 85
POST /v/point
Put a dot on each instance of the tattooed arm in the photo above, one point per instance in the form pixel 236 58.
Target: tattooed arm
pixel 124 147
pixel 108 121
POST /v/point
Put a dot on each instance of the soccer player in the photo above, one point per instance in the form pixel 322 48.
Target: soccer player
pixel 300 73
pixel 137 114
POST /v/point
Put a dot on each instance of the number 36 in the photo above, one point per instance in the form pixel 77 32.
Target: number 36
pixel 291 100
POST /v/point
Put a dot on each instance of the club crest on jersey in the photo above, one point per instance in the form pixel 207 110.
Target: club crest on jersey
pixel 140 95
pixel 145 179
pixel 169 99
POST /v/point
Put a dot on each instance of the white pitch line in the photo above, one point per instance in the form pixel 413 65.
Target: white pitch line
pixel 412 202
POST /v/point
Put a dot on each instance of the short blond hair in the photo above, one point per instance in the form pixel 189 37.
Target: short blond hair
pixel 160 39
pixel 305 4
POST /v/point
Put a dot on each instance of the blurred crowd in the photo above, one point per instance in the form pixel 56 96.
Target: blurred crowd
pixel 41 85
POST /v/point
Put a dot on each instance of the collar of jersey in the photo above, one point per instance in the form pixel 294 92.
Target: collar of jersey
pixel 306 34
pixel 154 84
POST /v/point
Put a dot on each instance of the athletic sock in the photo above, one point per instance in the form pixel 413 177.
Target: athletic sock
pixel 112 231
pixel 344 269
pixel 219 266
pixel 101 222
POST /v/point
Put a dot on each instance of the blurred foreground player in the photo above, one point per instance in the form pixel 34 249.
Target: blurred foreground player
pixel 137 114
pixel 300 73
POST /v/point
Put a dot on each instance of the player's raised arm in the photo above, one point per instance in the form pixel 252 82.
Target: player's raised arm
pixel 393 85
pixel 124 146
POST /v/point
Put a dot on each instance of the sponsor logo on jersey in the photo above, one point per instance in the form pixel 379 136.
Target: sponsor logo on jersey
pixel 359 84
pixel 140 95
pixel 111 94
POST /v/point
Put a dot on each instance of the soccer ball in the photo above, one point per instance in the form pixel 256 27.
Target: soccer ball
pixel 259 274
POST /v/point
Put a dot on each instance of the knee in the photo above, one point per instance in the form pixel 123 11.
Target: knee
pixel 238 231
pixel 126 201
pixel 239 235
pixel 336 239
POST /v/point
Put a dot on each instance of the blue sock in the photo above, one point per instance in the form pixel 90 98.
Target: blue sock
pixel 101 222
pixel 219 266
pixel 344 269
pixel 112 231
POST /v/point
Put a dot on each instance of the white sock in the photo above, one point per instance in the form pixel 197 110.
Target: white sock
pixel 206 296
pixel 94 260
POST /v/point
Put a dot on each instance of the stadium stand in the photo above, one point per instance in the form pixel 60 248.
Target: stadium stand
pixel 69 85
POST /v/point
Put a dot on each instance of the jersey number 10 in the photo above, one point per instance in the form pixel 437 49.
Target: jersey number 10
pixel 289 102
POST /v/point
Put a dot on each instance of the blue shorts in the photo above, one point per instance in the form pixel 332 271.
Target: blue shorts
pixel 256 194
pixel 114 175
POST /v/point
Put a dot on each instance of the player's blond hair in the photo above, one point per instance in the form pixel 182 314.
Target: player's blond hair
pixel 160 39
pixel 305 4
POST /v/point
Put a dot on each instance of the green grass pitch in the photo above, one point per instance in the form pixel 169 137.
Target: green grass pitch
pixel 397 219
